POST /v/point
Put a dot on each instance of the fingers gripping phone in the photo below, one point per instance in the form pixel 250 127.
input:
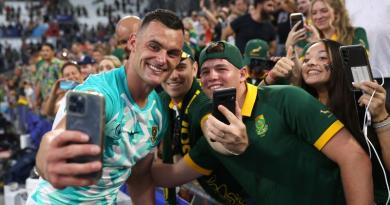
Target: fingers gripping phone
pixel 356 64
pixel 295 18
pixel 227 98
pixel 357 67
pixel 86 113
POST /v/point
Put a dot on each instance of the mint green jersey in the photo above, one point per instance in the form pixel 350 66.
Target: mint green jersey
pixel 131 132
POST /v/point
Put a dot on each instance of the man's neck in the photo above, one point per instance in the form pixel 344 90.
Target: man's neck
pixel 138 89
pixel 256 14
pixel 242 90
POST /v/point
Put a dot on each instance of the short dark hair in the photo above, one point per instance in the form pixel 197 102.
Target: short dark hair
pixel 166 17
pixel 70 63
pixel 255 2
pixel 48 45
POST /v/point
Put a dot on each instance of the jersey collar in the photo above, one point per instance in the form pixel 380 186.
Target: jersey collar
pixel 250 100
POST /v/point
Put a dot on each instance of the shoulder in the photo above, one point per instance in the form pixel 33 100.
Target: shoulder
pixel 165 98
pixel 359 30
pixel 283 91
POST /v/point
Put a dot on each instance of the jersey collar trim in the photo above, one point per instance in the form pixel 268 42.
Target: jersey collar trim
pixel 250 100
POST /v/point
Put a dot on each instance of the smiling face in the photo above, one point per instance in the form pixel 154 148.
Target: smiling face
pixel 220 73
pixel 303 6
pixel 315 68
pixel 322 15
pixel 71 72
pixel 106 65
pixel 180 80
pixel 155 52
pixel 47 53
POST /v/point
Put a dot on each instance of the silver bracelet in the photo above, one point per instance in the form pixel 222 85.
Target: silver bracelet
pixel 382 124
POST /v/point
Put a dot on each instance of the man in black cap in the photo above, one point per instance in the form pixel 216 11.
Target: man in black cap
pixel 87 66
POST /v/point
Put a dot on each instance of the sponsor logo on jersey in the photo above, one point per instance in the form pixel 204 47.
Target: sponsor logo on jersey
pixel 326 112
pixel 261 126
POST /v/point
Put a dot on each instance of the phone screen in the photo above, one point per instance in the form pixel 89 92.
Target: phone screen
pixel 356 63
pixel 225 97
pixel 295 18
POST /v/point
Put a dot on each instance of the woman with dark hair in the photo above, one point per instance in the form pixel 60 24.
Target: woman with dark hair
pixel 324 78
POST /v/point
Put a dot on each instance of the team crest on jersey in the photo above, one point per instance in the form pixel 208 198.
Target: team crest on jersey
pixel 154 134
pixel 261 125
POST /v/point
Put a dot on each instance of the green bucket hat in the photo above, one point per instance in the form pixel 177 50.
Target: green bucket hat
pixel 187 52
pixel 255 49
pixel 227 51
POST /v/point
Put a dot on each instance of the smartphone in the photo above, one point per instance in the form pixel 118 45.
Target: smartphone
pixel 356 64
pixel 68 84
pixel 295 18
pixel 357 67
pixel 227 98
pixel 85 112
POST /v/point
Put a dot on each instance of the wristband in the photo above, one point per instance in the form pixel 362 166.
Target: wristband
pixel 383 123
pixel 265 79
pixel 383 119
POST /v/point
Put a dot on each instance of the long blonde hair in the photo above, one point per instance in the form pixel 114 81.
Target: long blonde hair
pixel 344 30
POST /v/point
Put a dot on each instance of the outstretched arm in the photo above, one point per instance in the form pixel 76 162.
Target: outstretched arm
pixel 140 183
pixel 170 175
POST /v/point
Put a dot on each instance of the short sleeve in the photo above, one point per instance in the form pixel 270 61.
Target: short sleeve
pixel 201 157
pixel 307 117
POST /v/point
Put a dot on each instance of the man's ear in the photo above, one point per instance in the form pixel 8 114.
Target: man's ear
pixel 195 67
pixel 244 74
pixel 131 42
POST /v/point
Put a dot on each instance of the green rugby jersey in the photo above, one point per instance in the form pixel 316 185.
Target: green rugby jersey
pixel 283 164
pixel 131 132
pixel 194 107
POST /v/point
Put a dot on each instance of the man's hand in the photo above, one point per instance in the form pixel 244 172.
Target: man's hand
pixel 228 139
pixel 56 148
pixel 282 69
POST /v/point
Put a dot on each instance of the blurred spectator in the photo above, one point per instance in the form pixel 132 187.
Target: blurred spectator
pixel 124 28
pixel 71 77
pixel 98 53
pixel 256 58
pixel 253 25
pixel 47 72
pixel 283 24
pixel 87 66
pixel 303 6
pixel 109 63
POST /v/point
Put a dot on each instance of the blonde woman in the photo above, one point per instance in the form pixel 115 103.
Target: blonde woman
pixel 108 63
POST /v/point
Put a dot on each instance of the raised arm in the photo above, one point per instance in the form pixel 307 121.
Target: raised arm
pixel 379 113
pixel 56 148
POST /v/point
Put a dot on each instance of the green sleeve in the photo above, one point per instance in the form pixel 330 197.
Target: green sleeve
pixel 199 109
pixel 360 37
pixel 306 116
pixel 201 157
